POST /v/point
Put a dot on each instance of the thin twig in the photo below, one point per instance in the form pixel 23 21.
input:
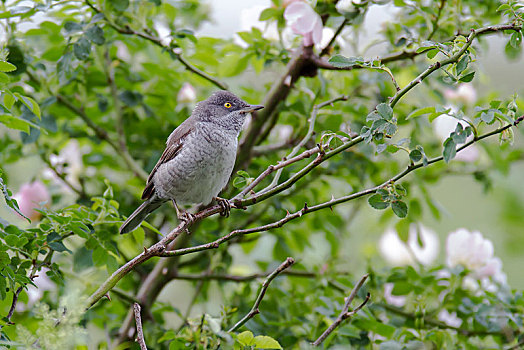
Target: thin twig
pixel 139 332
pixel 327 48
pixel 311 129
pixel 254 310
pixel 103 135
pixel 240 278
pixel 345 313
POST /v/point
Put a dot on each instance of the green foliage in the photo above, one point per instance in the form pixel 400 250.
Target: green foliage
pixel 88 97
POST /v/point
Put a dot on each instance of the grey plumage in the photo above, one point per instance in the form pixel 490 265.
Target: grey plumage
pixel 199 157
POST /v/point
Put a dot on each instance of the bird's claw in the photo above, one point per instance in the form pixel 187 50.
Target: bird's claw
pixel 224 205
pixel 187 217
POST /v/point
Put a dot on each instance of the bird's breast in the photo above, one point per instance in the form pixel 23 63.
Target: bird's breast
pixel 201 169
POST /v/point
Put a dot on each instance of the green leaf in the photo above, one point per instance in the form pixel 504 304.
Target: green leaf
pixel 399 208
pixel 421 111
pixel 119 5
pixel 29 103
pixel 82 48
pixel 7 67
pixel 9 100
pixel 59 247
pixel 100 256
pixel 96 35
pixel 516 39
pixel 16 123
pixel 377 202
pixel 246 338
pixel 269 13
pixel 415 155
pixel 467 78
pixel 462 64
pixel 265 342
pixel 450 149
pixel 11 202
pixel 385 111
pixel 340 61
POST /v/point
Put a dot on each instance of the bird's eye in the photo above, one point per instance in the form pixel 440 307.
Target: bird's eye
pixel 227 105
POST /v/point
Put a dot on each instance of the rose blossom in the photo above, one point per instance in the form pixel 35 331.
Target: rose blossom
pixel 304 21
pixel 30 196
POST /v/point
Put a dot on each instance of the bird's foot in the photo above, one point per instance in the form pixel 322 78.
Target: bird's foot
pixel 224 205
pixel 187 217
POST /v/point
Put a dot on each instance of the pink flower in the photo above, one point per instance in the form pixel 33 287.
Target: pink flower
pixel 464 94
pixel 31 196
pixel 304 21
pixel 186 94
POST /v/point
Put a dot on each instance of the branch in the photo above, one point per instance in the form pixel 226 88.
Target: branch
pixel 331 203
pixel 345 313
pixel 240 278
pixel 155 40
pixel 311 129
pixel 254 310
pixel 103 135
pixel 327 48
pixel 139 333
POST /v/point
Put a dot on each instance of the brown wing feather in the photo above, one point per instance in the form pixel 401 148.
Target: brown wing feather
pixel 174 145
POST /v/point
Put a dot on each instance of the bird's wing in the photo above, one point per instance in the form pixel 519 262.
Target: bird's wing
pixel 173 147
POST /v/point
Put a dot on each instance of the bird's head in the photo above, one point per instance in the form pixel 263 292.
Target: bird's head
pixel 224 106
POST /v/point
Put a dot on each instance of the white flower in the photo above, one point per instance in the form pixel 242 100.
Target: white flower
pixel 186 94
pixel 395 300
pixel 465 94
pixel 474 252
pixel 398 253
pixel 31 196
pixel 346 6
pixel 304 21
pixel 34 294
pixel 450 319
pixel 444 125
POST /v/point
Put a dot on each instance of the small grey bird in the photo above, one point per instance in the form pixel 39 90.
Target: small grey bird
pixel 198 159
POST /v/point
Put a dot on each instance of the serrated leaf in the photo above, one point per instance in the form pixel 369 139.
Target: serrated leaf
pixel 450 150
pixel 9 100
pixel 376 202
pixel 7 67
pixel 16 123
pixel 266 342
pixel 399 208
pixel 59 247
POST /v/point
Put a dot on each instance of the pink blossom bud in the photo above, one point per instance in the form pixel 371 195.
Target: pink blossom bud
pixel 186 94
pixel 304 21
pixel 30 196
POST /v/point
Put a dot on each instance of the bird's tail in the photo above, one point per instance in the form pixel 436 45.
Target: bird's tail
pixel 139 215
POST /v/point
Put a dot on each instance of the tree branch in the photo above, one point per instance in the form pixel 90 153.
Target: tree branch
pixel 254 310
pixel 345 313
pixel 139 333
pixel 240 278
pixel 329 204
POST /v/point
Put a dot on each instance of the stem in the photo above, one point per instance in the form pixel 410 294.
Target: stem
pixel 254 310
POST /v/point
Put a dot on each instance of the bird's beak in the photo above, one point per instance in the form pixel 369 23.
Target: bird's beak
pixel 251 108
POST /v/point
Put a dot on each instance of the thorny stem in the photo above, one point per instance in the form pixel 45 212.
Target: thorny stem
pixel 254 310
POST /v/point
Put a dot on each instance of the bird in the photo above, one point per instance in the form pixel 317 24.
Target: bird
pixel 198 160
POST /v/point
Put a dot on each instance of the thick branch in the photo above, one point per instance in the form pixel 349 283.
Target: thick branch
pixel 345 313
pixel 254 310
